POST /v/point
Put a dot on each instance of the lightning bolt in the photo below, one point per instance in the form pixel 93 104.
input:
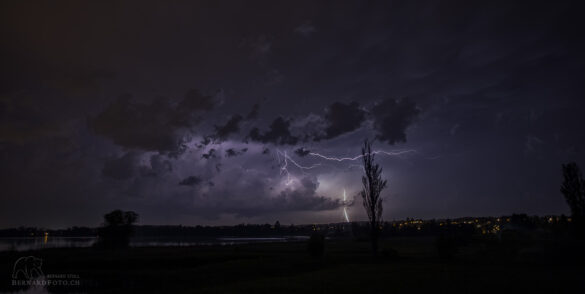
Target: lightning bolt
pixel 284 167
pixel 340 159
pixel 286 157
pixel 284 160
pixel 345 206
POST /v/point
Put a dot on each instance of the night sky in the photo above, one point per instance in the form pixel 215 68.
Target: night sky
pixel 201 113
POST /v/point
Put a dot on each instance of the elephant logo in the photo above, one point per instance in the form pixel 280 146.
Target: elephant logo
pixel 29 266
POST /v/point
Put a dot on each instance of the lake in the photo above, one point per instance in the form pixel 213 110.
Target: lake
pixel 35 243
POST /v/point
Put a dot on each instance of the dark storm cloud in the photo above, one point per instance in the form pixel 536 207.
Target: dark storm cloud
pixel 190 181
pixel 299 200
pixel 121 168
pixel 210 154
pixel 342 118
pixel 232 152
pixel 194 100
pixel 302 152
pixel 206 141
pixel 303 199
pixel 391 119
pixel 230 127
pixel 156 126
pixel 253 114
pixel 278 133
pixel 339 119
pixel 257 202
pixel 158 166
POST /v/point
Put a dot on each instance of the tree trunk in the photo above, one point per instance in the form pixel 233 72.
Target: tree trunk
pixel 374 240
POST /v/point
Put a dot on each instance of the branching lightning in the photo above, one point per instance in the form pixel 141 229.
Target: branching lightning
pixel 284 159
pixel 298 165
pixel 340 159
pixel 284 167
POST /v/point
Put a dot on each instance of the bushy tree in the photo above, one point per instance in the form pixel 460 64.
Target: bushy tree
pixel 117 229
pixel 573 188
pixel 373 184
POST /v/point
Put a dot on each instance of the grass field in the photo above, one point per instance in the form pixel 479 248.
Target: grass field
pixel 405 265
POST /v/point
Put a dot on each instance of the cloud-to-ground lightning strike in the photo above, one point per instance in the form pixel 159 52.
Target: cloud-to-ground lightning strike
pixel 345 206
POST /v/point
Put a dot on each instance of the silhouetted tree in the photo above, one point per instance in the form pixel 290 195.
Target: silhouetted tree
pixel 373 184
pixel 117 229
pixel 573 188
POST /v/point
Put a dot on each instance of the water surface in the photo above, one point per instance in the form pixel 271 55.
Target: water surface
pixel 36 243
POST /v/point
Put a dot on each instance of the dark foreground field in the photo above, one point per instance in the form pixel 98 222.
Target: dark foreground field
pixel 405 265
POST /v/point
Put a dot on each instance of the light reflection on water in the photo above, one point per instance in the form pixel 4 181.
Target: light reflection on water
pixel 35 243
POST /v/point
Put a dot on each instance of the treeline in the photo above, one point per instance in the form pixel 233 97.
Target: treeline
pixel 211 231
pixel 557 225
pixel 166 231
